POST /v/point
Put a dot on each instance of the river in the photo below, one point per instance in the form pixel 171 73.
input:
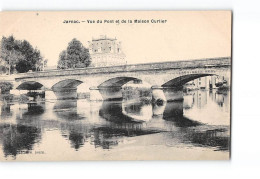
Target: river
pixel 196 128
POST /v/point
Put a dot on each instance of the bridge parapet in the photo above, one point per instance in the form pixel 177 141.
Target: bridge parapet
pixel 7 78
pixel 203 63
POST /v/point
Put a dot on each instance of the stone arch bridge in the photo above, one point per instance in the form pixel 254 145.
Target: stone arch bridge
pixel 105 83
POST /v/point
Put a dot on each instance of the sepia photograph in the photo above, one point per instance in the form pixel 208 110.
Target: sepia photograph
pixel 115 85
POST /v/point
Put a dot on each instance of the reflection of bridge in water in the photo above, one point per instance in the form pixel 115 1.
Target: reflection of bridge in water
pixel 105 124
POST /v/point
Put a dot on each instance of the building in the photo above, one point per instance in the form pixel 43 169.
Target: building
pixel 202 83
pixel 106 51
pixel 208 82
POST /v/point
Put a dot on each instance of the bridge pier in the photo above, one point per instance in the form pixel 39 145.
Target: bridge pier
pixel 164 94
pixel 158 109
pixel 106 93
pixel 66 93
pixel 95 94
pixel 49 95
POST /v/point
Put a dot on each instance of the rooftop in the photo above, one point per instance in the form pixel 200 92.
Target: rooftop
pixel 103 37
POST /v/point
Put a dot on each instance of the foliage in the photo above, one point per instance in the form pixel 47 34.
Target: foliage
pixel 3 69
pixel 75 56
pixel 5 87
pixel 23 66
pixel 20 55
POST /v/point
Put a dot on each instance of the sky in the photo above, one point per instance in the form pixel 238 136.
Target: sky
pixel 186 35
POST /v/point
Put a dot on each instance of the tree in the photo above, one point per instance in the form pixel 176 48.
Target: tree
pixel 75 56
pixel 23 66
pixel 3 69
pixel 5 87
pixel 10 53
pixel 62 63
pixel 19 55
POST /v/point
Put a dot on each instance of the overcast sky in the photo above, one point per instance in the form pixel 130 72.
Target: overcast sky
pixel 185 35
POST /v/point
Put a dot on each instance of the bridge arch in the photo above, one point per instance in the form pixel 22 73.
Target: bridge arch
pixel 118 82
pixel 66 84
pixel 111 89
pixel 66 89
pixel 181 80
pixel 30 85
pixel 172 90
pixel 32 89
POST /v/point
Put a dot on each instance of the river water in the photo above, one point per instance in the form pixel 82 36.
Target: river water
pixel 196 128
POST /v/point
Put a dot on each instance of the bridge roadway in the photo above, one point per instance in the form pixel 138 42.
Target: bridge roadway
pixel 105 83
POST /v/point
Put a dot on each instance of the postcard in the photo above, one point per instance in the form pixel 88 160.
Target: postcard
pixel 115 85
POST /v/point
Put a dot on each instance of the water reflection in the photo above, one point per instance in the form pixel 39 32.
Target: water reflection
pixel 138 110
pixel 116 112
pixel 6 111
pixel 217 139
pixel 18 139
pixel 220 99
pixel 34 109
pixel 77 139
pixel 174 112
pixel 102 137
pixel 67 109
pixel 106 124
